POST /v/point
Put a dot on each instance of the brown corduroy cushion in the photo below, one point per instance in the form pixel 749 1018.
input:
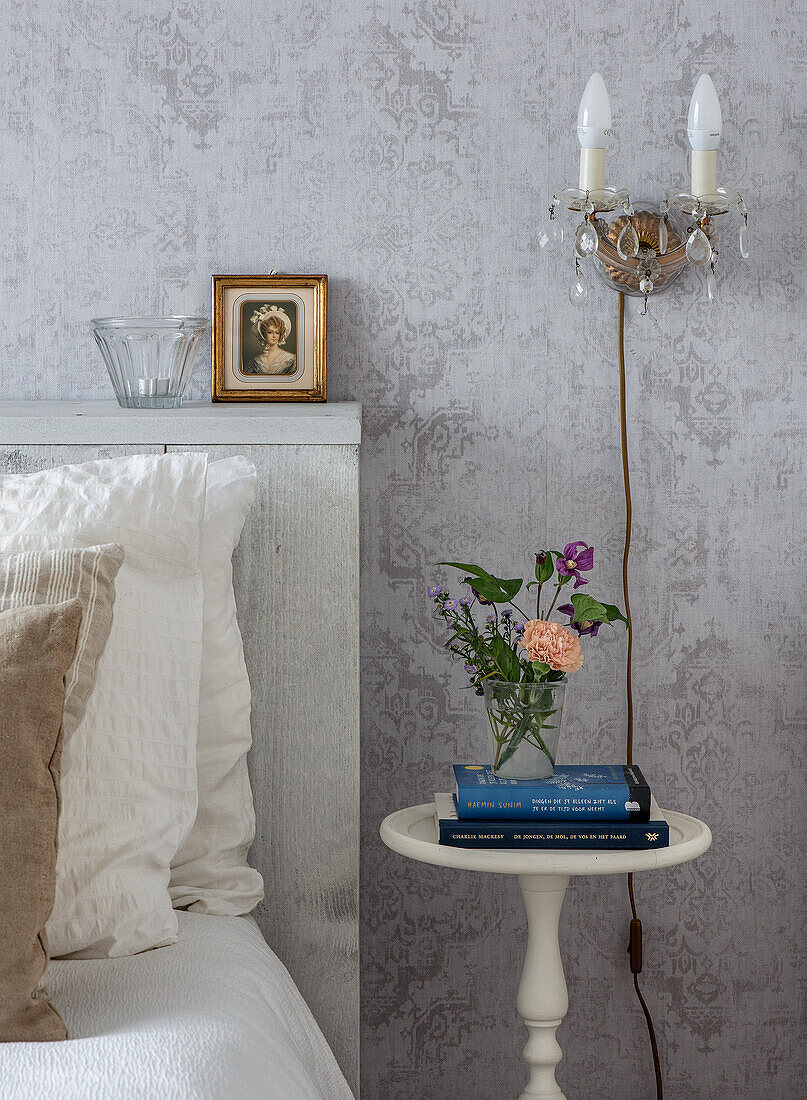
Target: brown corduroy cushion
pixel 37 645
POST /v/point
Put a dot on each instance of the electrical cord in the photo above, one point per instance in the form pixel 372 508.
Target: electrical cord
pixel 623 421
pixel 635 941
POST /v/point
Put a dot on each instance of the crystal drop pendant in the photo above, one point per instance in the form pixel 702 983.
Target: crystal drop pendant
pixel 698 249
pixel 586 241
pixel 662 236
pixel 711 288
pixel 578 291
pixel 627 243
pixel 550 235
pixel 646 285
pixel 745 250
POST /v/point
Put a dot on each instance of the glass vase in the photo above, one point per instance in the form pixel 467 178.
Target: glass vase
pixel 149 359
pixel 525 726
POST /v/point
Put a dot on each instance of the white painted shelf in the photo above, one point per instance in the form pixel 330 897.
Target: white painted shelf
pixel 34 422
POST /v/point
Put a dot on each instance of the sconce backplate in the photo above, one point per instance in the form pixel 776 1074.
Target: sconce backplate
pixel 625 274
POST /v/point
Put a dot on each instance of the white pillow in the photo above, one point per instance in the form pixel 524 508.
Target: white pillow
pixel 129 770
pixel 210 874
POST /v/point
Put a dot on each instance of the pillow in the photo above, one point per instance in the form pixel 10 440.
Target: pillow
pixel 129 769
pixel 37 645
pixel 51 576
pixel 210 874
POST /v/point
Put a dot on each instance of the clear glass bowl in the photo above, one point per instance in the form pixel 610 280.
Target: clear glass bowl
pixel 149 359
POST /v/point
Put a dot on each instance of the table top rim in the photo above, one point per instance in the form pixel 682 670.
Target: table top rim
pixel 395 832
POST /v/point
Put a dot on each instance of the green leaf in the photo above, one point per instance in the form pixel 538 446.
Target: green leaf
pixel 587 609
pixel 614 614
pixel 516 738
pixel 545 571
pixel 491 588
pixel 506 660
pixel 487 589
pixel 541 668
pixel 474 570
pixel 512 587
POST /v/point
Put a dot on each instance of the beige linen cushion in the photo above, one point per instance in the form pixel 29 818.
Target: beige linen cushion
pixel 53 576
pixel 37 646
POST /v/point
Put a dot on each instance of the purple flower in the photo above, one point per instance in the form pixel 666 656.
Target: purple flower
pixel 470 668
pixel 586 627
pixel 490 619
pixel 465 601
pixel 435 591
pixel 481 598
pixel 576 556
pixel 450 605
pixel 519 626
pixel 507 613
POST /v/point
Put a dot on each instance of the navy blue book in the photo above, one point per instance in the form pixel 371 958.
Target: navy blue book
pixel 602 835
pixel 574 792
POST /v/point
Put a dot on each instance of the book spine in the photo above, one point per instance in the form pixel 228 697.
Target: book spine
pixel 638 792
pixel 630 836
pixel 477 804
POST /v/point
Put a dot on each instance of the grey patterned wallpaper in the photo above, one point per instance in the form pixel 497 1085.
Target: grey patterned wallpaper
pixel 408 150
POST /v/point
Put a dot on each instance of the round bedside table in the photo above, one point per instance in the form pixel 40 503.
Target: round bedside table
pixel 543 877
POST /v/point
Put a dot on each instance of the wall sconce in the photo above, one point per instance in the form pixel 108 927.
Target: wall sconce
pixel 642 250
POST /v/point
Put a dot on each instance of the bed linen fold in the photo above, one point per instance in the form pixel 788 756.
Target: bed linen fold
pixel 213 1017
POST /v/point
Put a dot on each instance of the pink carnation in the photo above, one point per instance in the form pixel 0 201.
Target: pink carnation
pixel 552 644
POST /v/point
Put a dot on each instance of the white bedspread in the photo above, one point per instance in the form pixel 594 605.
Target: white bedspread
pixel 214 1017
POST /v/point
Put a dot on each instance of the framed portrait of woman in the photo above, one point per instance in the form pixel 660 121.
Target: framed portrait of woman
pixel 269 337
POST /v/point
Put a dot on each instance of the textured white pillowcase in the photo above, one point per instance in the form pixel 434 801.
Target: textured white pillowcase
pixel 210 874
pixel 129 770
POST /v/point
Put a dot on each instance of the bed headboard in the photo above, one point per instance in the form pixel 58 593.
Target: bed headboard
pixel 296 577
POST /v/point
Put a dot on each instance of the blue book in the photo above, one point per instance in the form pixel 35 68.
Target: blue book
pixel 597 835
pixel 574 792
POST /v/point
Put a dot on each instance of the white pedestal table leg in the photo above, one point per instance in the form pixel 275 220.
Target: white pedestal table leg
pixel 542 996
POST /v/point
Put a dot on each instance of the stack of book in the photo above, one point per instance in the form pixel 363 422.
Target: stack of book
pixel 599 806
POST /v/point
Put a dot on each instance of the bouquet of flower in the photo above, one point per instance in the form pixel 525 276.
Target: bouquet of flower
pixel 516 661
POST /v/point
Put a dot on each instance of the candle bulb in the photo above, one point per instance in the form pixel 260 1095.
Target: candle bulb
pixel 593 131
pixel 704 129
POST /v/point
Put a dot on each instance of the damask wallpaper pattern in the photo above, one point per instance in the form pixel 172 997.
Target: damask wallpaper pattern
pixel 409 151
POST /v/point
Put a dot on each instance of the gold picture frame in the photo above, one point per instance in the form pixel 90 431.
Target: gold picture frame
pixel 269 328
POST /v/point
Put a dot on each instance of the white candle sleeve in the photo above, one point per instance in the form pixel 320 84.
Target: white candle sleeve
pixel 593 131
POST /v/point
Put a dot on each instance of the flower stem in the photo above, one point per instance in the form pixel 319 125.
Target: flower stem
pixel 499 740
pixel 555 600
